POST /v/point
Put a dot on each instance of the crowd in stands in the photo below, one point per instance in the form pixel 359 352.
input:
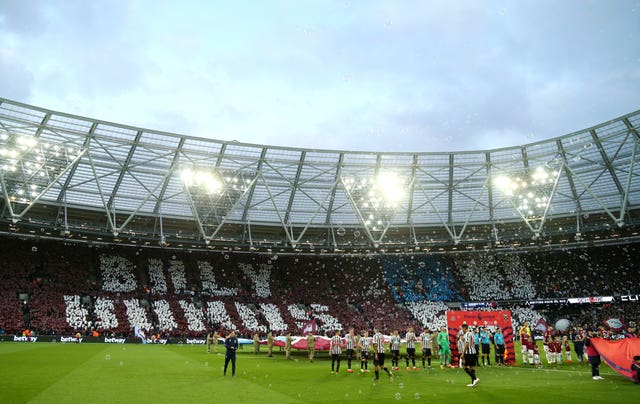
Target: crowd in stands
pixel 217 314
pixel 209 284
pixel 195 317
pixel 520 314
pixel 423 278
pixel 164 315
pixel 47 312
pixel 68 289
pixel 136 314
pixel 273 317
pixel 76 315
pixel 11 316
pixel 105 312
pixel 157 279
pixel 260 278
pixel 609 270
pixel 429 314
pixel 494 276
pixel 249 318
pixel 178 277
pixel 117 274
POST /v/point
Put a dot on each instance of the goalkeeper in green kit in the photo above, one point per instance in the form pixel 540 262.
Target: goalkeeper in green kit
pixel 445 349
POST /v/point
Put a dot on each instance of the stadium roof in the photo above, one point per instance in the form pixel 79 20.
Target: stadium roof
pixel 69 176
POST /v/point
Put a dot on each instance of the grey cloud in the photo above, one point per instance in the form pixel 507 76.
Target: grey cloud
pixel 22 17
pixel 15 80
pixel 384 76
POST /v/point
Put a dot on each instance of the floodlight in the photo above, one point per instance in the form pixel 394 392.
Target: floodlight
pixel 186 175
pixel 208 181
pixel 26 142
pixel 390 187
pixel 376 200
pixel 505 184
pixel 530 193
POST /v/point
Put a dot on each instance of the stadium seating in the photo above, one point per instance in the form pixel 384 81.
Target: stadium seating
pixel 422 278
pixel 490 276
pixel 78 288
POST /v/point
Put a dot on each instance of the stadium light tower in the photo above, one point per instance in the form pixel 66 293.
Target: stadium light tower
pixel 29 167
pixel 376 200
pixel 213 194
pixel 210 182
pixel 530 193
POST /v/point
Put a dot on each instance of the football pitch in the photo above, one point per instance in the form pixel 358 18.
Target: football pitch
pixel 110 373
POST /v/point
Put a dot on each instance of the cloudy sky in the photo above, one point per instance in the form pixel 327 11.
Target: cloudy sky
pixel 348 74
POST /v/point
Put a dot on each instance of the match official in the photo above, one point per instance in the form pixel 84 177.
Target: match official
pixel 231 344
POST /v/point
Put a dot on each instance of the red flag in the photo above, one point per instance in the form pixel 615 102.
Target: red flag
pixel 299 343
pixel 541 325
pixel 309 328
pixel 618 354
pixel 321 344
pixel 614 323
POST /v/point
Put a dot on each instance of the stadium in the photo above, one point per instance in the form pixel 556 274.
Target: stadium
pixel 107 228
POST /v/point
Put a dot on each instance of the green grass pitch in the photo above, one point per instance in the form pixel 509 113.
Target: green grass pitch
pixel 110 373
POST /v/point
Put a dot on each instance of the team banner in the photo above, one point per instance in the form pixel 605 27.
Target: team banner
pixel 474 305
pixel 618 354
pixel 489 319
pixel 591 299
pixel 545 301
